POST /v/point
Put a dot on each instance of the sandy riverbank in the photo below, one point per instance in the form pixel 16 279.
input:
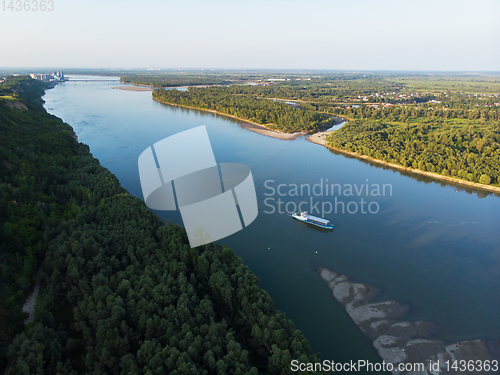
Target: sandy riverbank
pixel 320 139
pixel 133 88
pixel 397 340
pixel 249 125
pixel 271 133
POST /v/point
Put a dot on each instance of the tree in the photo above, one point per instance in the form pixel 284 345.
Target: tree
pixel 485 179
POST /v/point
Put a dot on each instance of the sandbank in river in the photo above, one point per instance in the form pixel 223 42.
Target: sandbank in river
pixel 133 88
pixel 399 341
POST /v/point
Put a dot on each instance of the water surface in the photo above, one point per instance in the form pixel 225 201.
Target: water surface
pixel 433 245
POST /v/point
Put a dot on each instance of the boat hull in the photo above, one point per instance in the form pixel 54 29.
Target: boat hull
pixel 299 218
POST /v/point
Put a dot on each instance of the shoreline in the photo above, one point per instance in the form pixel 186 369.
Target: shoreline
pixel 320 139
pixel 248 125
pixel 137 85
pixel 131 88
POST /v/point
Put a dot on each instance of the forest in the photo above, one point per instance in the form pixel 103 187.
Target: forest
pixel 189 77
pixel 471 153
pixel 121 292
pixel 174 81
pixel 275 115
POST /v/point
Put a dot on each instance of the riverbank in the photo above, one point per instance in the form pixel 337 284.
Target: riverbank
pixel 399 341
pixel 320 139
pixel 248 125
pixel 132 88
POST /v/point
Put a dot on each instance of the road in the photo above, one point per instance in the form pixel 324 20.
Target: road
pixel 29 308
pixel 29 305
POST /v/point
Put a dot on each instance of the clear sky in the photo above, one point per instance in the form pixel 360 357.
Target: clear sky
pixel 447 35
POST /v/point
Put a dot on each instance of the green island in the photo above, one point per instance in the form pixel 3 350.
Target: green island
pixel 187 78
pixel 443 124
pixel 451 149
pixel 274 115
pixel 120 292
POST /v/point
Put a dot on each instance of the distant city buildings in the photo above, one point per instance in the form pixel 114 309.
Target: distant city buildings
pixel 41 77
pixel 56 76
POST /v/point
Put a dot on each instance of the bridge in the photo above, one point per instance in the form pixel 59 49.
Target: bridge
pixel 91 80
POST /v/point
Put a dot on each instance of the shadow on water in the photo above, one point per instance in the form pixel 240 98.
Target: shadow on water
pixel 319 230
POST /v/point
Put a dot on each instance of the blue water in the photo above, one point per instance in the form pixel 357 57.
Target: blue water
pixel 430 244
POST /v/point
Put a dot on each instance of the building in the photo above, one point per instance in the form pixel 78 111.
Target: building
pixel 41 77
pixel 58 76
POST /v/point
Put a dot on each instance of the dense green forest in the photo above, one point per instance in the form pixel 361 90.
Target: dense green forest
pixel 467 152
pixel 35 151
pixel 274 114
pixel 121 292
pixel 174 81
pixel 186 79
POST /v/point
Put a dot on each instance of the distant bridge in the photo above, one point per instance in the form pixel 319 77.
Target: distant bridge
pixel 92 80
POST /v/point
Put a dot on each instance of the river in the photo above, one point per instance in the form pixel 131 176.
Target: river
pixel 433 245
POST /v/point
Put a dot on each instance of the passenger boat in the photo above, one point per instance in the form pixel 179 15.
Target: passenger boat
pixel 309 219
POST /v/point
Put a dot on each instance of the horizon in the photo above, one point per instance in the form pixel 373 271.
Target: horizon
pixel 268 70
pixel 447 36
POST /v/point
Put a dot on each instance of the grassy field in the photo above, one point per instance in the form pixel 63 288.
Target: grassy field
pixel 486 84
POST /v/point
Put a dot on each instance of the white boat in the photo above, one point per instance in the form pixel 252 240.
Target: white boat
pixel 309 219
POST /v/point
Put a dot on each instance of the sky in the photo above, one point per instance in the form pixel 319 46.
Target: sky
pixel 437 35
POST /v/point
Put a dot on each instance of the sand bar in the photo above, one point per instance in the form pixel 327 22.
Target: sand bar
pixel 272 133
pixel 133 88
pixel 400 341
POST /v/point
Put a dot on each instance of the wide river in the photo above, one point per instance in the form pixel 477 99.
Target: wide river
pixel 430 244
